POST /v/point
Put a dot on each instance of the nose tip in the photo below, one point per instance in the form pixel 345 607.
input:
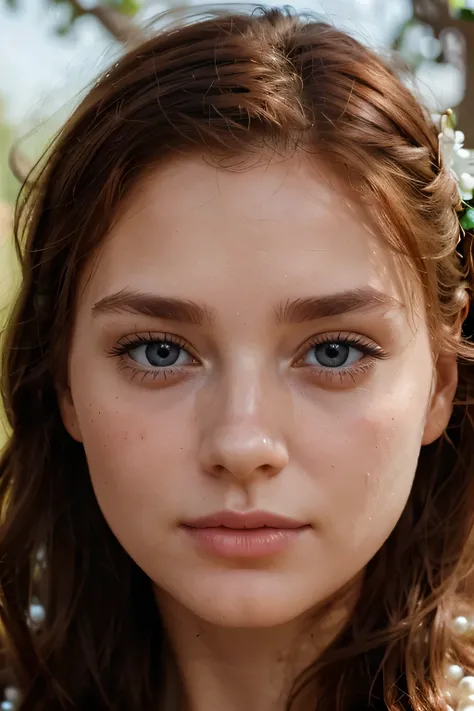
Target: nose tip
pixel 245 456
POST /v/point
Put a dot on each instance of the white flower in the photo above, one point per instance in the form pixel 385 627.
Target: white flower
pixel 458 159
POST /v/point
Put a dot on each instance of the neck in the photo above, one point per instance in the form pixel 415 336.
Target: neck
pixel 239 669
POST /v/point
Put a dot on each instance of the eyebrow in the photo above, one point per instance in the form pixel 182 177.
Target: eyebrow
pixel 292 312
pixel 315 308
pixel 160 307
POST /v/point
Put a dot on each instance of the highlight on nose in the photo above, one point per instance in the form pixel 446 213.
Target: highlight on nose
pixel 243 454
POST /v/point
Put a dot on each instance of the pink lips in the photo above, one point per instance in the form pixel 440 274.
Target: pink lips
pixel 256 534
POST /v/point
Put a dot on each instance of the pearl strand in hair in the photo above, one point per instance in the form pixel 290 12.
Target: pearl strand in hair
pixel 35 618
pixel 459 692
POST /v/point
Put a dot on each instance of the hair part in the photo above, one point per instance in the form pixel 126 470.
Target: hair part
pixel 229 86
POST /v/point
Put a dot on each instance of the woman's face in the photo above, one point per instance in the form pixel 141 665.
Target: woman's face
pixel 242 346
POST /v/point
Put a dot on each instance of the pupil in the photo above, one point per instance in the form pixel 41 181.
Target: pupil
pixel 333 350
pixel 163 350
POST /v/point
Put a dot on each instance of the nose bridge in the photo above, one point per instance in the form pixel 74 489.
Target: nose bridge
pixel 244 392
pixel 245 429
pixel 247 389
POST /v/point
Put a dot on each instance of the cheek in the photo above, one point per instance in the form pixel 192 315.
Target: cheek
pixel 363 459
pixel 131 450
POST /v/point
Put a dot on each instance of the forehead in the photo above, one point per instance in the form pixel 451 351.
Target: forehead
pixel 281 228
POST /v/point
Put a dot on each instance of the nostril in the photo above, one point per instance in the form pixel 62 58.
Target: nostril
pixel 267 469
pixel 219 469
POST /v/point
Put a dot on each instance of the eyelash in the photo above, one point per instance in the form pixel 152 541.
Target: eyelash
pixel 370 351
pixel 126 344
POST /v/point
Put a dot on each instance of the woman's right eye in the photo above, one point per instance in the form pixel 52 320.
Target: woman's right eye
pixel 160 354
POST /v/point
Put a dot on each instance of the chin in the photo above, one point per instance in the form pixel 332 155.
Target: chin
pixel 244 613
pixel 245 599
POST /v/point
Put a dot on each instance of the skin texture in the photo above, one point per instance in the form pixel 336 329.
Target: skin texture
pixel 250 419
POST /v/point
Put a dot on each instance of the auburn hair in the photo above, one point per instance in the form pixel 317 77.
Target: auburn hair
pixel 226 86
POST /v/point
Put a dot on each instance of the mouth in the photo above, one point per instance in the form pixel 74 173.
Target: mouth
pixel 239 520
pixel 233 534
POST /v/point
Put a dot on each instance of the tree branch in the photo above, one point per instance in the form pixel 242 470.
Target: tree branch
pixel 121 28
pixel 118 25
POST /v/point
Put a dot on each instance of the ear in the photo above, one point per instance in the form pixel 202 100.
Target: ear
pixel 442 396
pixel 68 413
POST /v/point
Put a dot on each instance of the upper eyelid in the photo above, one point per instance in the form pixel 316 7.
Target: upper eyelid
pixel 140 339
pixel 353 339
pixel 151 337
pixel 144 339
pixel 130 341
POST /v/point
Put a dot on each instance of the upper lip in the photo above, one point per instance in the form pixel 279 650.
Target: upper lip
pixel 250 519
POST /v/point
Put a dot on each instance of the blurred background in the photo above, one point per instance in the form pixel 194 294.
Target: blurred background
pixel 52 50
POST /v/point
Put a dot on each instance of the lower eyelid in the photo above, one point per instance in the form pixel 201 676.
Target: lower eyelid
pixel 338 375
pixel 135 370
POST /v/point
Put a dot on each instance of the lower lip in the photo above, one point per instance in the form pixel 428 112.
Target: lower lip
pixel 244 542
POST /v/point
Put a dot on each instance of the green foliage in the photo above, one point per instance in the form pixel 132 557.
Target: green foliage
pixel 8 183
pixel 126 7
pixel 466 14
pixel 462 9
pixel 467 220
pixel 8 264
pixel 9 282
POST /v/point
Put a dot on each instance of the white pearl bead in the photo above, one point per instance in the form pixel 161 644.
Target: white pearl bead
pixel 460 625
pixel 12 694
pixel 466 704
pixel 453 673
pixel 466 686
pixel 37 613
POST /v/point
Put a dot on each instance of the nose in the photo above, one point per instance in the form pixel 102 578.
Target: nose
pixel 243 437
pixel 243 452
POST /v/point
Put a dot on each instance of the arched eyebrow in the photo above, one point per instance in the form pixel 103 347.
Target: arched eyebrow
pixel 291 312
pixel 316 308
pixel 160 307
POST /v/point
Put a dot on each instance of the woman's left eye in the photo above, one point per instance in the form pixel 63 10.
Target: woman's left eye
pixel 332 354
